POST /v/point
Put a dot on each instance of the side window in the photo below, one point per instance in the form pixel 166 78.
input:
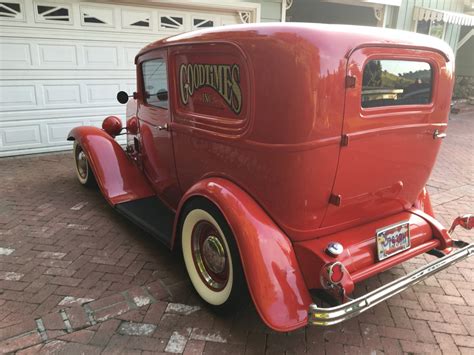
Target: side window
pixel 396 82
pixel 155 82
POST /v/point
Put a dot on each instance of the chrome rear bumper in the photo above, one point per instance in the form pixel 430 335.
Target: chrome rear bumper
pixel 333 315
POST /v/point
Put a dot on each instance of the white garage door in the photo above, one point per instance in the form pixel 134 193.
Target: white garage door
pixel 62 64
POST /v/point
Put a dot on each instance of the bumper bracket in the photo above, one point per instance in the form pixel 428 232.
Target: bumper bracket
pixel 333 315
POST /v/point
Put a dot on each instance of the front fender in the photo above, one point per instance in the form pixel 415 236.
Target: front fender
pixel 273 275
pixel 119 179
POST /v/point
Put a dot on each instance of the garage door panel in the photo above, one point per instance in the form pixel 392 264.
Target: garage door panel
pixel 11 117
pixel 67 94
pixel 15 55
pixel 57 131
pixel 41 54
pixel 62 94
pixel 100 56
pixel 56 75
pixel 129 55
pixel 130 88
pixel 37 133
pixel 21 136
pixel 109 35
pixel 138 20
pixel 172 22
pixel 16 96
pixel 57 55
pixel 25 76
pixel 97 16
pixel 102 93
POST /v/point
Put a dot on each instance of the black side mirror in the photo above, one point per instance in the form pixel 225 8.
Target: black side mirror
pixel 162 95
pixel 122 97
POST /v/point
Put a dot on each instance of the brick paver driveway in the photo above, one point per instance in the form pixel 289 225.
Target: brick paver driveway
pixel 77 278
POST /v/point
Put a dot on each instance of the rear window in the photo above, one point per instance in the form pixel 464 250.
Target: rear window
pixel 396 82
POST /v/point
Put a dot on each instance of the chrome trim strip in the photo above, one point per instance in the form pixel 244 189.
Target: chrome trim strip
pixel 333 315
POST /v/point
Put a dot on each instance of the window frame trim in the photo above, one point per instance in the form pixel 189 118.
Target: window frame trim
pixel 41 19
pixel 182 27
pixel 429 30
pixel 83 8
pixel 22 17
pixel 129 26
pixel 207 18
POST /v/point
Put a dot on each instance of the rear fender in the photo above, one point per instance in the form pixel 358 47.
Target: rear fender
pixel 273 275
pixel 439 232
pixel 423 203
pixel 118 177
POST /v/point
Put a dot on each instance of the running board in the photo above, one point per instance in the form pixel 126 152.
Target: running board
pixel 151 215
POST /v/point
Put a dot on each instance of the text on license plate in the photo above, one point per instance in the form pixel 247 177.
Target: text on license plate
pixel 393 239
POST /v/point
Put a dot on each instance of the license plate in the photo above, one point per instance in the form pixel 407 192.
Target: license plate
pixel 393 239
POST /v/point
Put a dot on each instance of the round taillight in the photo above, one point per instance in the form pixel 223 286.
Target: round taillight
pixel 336 272
pixel 132 125
pixel 112 125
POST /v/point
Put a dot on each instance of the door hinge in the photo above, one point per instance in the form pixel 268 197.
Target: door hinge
pixel 335 200
pixel 350 81
pixel 344 140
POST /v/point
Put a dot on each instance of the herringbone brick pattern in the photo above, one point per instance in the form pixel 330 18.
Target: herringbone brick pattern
pixel 77 278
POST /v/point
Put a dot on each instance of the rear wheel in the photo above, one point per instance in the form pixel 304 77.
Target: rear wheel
pixel 83 169
pixel 211 257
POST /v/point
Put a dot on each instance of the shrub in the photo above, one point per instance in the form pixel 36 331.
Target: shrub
pixel 463 87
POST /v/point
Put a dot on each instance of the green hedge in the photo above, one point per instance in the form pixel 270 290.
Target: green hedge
pixel 464 87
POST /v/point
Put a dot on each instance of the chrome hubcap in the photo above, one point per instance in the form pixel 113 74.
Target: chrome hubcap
pixel 82 164
pixel 214 254
pixel 210 257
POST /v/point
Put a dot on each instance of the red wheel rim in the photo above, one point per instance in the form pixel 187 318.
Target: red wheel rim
pixel 210 255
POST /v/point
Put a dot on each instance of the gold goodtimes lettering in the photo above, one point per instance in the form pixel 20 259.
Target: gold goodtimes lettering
pixel 223 78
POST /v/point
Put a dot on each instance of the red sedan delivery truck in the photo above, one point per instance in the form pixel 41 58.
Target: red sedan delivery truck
pixel 283 158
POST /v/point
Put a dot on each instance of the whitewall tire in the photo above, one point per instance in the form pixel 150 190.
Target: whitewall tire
pixel 83 170
pixel 211 256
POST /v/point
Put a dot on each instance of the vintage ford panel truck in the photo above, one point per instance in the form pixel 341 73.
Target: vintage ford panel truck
pixel 283 158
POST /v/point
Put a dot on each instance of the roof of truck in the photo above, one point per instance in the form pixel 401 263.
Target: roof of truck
pixel 322 36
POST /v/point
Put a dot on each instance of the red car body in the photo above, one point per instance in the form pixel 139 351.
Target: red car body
pixel 266 122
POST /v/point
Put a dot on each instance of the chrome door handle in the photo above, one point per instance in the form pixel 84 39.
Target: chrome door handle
pixel 163 128
pixel 437 135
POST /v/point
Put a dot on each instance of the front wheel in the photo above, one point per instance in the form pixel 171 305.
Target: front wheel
pixel 83 169
pixel 211 257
